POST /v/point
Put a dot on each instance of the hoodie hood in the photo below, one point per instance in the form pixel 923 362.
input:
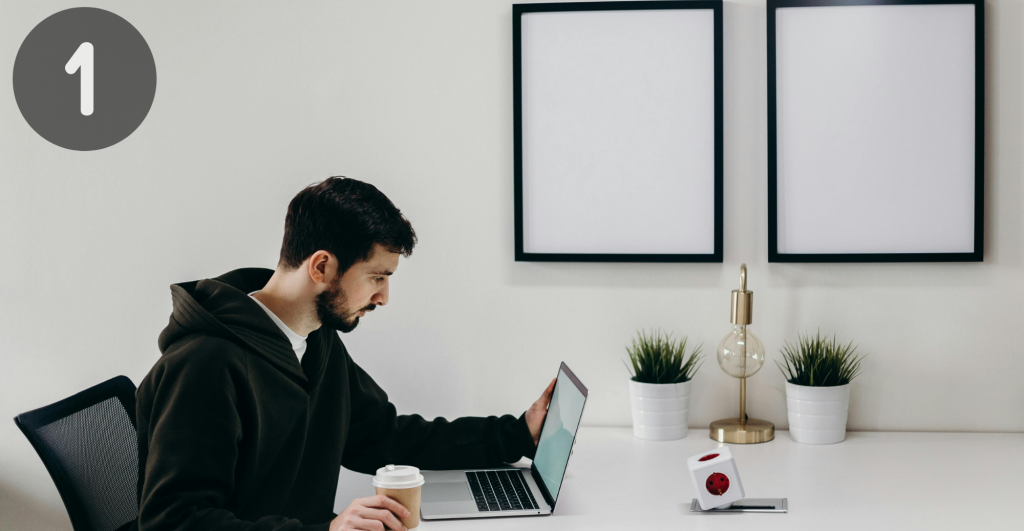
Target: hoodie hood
pixel 222 307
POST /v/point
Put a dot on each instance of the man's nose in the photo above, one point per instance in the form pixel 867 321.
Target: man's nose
pixel 381 298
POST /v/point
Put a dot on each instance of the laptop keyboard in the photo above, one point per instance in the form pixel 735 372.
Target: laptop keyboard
pixel 500 490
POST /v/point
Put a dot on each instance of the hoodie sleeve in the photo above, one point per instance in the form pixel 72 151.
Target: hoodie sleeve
pixel 378 436
pixel 188 412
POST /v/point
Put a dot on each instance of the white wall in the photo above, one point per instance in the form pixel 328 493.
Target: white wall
pixel 256 100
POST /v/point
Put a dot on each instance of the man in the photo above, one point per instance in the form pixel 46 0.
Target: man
pixel 255 403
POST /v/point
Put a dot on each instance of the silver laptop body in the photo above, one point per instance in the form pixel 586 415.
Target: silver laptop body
pixel 501 492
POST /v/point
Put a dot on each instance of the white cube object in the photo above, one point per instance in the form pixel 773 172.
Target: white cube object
pixel 715 478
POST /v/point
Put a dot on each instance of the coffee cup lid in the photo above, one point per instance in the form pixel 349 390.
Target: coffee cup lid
pixel 398 477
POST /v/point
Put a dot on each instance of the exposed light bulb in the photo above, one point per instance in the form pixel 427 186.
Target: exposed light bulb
pixel 741 353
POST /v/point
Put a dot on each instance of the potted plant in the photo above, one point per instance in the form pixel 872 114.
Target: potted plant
pixel 659 390
pixel 818 373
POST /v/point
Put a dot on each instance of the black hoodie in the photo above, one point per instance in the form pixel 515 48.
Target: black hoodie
pixel 234 433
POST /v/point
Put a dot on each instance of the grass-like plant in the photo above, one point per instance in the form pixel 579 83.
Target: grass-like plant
pixel 820 362
pixel 659 359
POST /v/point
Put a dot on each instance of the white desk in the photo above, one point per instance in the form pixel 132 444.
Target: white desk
pixel 873 480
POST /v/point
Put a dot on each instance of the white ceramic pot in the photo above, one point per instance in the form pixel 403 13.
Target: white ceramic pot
pixel 817 415
pixel 661 412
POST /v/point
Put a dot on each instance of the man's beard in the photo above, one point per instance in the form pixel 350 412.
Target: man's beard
pixel 330 308
pixel 330 305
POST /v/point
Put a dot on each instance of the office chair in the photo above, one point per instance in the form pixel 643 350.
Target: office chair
pixel 87 442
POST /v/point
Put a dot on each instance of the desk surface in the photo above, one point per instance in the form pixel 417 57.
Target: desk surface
pixel 873 480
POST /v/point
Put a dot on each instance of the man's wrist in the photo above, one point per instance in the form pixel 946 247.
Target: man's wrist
pixel 525 437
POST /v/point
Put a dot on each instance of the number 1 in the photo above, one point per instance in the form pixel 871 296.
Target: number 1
pixel 82 59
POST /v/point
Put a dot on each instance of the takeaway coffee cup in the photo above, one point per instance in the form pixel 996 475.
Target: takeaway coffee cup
pixel 403 484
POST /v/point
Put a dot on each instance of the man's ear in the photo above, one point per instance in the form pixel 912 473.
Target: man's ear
pixel 321 265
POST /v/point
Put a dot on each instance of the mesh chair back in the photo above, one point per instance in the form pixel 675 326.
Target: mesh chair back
pixel 88 444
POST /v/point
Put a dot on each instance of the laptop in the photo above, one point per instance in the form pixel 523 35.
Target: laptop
pixel 500 492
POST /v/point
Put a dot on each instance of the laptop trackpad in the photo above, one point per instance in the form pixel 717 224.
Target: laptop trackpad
pixel 447 491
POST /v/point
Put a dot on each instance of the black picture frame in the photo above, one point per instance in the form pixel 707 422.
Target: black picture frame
pixel 517 11
pixel 979 143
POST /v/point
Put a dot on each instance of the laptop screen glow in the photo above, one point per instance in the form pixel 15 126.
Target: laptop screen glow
pixel 559 430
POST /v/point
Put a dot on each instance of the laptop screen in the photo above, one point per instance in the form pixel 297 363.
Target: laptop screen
pixel 559 430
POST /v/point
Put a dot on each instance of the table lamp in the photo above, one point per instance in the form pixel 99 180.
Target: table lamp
pixel 741 355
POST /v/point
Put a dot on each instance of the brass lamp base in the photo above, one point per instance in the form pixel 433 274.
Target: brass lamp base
pixel 736 432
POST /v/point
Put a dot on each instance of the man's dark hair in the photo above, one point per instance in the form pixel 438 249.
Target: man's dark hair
pixel 344 217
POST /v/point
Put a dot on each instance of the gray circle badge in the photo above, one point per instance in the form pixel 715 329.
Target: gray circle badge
pixel 84 79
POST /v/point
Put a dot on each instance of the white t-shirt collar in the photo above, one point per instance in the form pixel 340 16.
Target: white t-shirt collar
pixel 298 342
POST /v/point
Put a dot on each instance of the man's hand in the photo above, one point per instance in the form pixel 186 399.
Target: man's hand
pixel 375 513
pixel 535 415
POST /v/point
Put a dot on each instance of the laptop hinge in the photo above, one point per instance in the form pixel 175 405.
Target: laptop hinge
pixel 543 488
